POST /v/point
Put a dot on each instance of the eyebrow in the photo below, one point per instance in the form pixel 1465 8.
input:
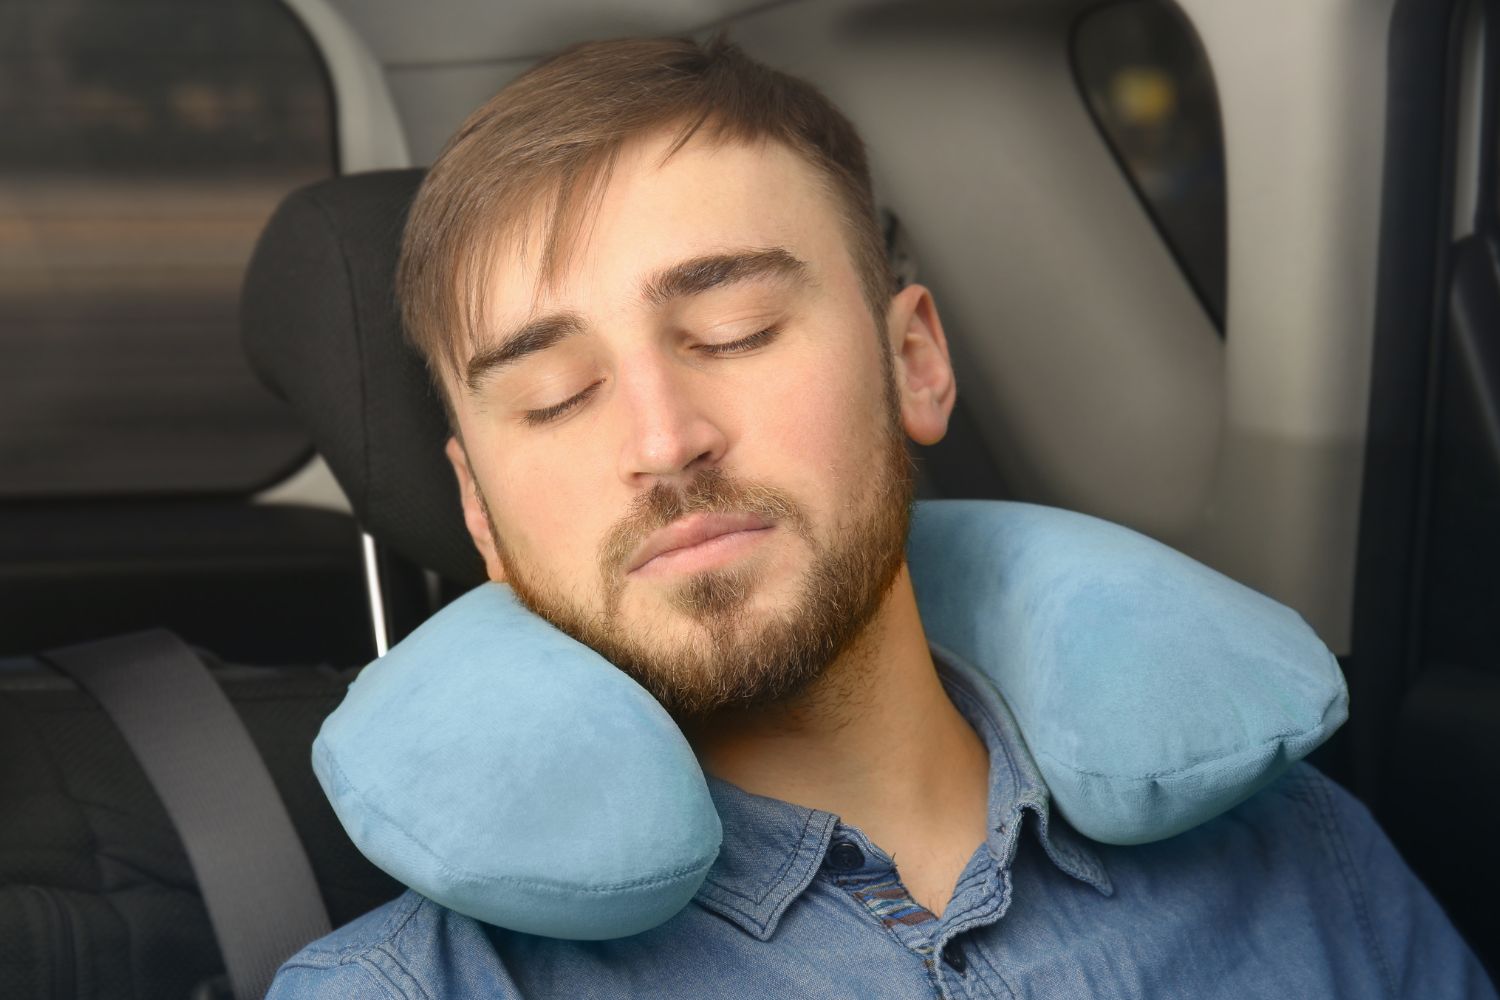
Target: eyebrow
pixel 702 274
pixel 531 337
pixel 681 280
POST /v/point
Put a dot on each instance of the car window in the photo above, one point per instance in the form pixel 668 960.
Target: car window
pixel 145 146
pixel 1148 83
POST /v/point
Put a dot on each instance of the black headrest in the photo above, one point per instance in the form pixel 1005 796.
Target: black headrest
pixel 322 329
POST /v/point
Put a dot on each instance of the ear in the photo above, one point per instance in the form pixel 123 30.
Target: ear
pixel 924 373
pixel 475 518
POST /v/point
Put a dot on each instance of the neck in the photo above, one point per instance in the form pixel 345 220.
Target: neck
pixel 877 742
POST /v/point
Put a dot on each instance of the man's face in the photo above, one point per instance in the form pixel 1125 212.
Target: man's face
pixel 687 450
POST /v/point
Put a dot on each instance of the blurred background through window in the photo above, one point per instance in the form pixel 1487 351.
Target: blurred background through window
pixel 145 145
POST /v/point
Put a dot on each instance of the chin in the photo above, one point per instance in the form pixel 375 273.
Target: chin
pixel 729 598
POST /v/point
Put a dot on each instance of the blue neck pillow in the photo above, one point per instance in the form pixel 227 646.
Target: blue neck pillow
pixel 508 772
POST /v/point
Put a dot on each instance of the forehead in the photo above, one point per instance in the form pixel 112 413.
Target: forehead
pixel 655 211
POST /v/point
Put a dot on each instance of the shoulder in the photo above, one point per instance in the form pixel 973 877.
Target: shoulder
pixel 1349 841
pixel 1321 802
pixel 409 948
pixel 1323 827
pixel 1409 941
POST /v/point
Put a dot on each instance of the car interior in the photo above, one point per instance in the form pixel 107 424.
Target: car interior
pixel 1228 275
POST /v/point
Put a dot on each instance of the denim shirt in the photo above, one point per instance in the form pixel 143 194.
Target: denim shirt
pixel 1295 893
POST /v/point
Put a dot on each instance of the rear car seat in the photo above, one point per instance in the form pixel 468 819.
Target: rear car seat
pixel 97 898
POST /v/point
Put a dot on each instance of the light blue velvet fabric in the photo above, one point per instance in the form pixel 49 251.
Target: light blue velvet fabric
pixel 509 773
pixel 1154 692
pixel 502 769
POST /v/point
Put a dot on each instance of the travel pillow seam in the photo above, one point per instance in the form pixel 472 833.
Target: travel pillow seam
pixel 1217 762
pixel 471 878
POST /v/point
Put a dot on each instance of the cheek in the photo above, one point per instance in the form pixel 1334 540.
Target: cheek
pixel 544 516
pixel 823 420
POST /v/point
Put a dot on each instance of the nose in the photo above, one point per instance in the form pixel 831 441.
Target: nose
pixel 670 428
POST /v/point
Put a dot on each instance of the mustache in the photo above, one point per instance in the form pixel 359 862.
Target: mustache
pixel 710 492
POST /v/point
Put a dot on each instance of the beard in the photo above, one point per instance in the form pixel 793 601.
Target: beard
pixel 731 657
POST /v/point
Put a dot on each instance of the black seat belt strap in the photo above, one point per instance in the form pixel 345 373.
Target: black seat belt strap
pixel 257 883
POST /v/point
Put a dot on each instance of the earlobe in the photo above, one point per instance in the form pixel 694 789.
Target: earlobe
pixel 476 518
pixel 924 372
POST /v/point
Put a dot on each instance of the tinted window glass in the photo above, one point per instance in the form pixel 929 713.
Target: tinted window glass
pixel 1148 84
pixel 145 144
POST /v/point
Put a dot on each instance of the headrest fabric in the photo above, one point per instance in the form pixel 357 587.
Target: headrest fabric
pixel 321 328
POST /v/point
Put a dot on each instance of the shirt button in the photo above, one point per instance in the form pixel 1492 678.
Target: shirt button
pixel 954 958
pixel 845 857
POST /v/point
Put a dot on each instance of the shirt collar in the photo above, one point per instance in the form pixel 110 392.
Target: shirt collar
pixel 770 852
pixel 772 849
pixel 1016 783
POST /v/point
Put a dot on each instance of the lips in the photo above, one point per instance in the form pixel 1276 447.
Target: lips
pixel 690 531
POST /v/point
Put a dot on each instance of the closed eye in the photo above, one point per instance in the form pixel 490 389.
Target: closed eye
pixel 743 345
pixel 535 418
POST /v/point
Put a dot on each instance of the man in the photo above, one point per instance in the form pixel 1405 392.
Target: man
pixel 648 279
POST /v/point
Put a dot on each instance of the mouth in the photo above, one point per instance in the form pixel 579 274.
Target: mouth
pixel 696 543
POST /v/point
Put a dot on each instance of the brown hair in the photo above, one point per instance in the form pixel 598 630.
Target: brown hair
pixel 547 142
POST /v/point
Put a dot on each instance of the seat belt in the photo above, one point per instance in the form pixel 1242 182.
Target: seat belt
pixel 257 883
